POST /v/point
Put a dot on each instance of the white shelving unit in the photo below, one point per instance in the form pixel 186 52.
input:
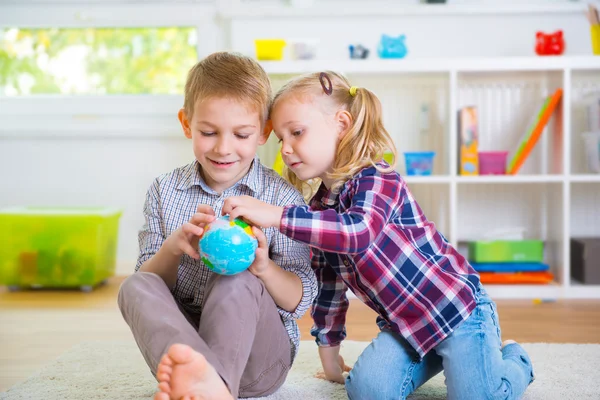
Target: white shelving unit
pixel 541 199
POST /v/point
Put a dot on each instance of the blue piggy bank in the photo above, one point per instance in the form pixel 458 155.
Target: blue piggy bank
pixel 392 47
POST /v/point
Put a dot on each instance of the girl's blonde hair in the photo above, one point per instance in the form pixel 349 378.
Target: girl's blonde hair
pixel 366 141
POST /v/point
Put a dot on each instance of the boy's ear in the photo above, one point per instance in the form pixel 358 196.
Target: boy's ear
pixel 266 132
pixel 344 121
pixel 185 123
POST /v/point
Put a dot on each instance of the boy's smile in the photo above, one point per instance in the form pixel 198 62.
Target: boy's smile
pixel 225 134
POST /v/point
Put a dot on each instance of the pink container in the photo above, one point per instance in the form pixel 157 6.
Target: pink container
pixel 492 162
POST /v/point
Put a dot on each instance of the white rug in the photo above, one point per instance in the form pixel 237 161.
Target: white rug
pixel 116 370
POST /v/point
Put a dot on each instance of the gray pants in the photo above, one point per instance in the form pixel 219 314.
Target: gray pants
pixel 239 332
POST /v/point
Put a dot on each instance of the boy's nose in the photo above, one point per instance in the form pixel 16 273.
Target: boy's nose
pixel 223 146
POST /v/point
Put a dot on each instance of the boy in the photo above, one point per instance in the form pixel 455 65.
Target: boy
pixel 205 335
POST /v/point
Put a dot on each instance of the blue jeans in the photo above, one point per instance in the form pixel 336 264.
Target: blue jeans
pixel 474 365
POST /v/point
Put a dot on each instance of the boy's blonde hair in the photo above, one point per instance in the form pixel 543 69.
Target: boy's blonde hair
pixel 231 75
pixel 365 142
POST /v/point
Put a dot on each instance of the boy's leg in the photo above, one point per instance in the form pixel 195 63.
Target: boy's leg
pixel 475 364
pixel 156 320
pixel 241 325
pixel 389 368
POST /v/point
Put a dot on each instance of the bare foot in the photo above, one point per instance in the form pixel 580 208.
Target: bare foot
pixel 185 374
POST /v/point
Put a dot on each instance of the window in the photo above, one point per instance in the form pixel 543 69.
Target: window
pixel 96 60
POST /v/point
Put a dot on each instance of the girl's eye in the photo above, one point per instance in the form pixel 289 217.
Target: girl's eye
pixel 207 133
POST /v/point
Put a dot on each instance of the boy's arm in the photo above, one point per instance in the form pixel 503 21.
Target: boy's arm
pixel 353 231
pixel 151 238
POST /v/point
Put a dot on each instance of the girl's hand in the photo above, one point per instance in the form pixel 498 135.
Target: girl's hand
pixel 185 239
pixel 262 260
pixel 254 211
pixel 336 374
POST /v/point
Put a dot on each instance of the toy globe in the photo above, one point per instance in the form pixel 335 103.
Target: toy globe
pixel 228 247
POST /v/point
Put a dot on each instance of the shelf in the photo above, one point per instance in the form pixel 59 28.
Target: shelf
pixel 427 179
pixel 381 8
pixel 510 179
pixel 420 65
pixel 585 178
pixel 544 292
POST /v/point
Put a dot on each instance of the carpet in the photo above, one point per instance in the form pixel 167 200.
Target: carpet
pixel 116 370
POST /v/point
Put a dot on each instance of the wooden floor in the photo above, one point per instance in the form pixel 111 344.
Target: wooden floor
pixel 37 326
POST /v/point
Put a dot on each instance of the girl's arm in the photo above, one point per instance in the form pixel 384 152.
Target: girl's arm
pixel 373 200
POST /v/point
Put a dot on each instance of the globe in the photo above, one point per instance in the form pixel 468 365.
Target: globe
pixel 227 247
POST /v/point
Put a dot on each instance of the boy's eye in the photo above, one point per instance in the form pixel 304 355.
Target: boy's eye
pixel 207 133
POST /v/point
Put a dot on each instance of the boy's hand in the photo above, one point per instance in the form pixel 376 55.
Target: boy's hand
pixel 261 261
pixel 253 211
pixel 335 372
pixel 185 239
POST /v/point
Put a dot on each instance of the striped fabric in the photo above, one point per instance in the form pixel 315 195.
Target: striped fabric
pixel 373 238
pixel 171 201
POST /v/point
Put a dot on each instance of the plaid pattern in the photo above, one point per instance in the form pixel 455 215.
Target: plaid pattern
pixel 172 200
pixel 373 238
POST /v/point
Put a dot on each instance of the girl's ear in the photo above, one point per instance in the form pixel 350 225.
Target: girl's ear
pixel 344 122
pixel 185 124
pixel 266 132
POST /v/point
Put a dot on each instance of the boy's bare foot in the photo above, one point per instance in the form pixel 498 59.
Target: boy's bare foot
pixel 185 374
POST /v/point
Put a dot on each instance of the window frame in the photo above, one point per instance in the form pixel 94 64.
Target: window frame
pixel 110 116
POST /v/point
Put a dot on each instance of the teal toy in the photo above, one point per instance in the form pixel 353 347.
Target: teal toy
pixel 228 247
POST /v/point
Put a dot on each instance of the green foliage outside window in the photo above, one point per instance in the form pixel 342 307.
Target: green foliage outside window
pixel 96 60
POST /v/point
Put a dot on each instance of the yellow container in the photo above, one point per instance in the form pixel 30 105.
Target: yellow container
pixel 57 248
pixel 269 49
pixel 595 32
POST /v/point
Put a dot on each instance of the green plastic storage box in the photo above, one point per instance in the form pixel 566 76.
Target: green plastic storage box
pixel 57 247
pixel 506 251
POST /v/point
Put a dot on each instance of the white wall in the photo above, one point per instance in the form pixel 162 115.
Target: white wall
pixel 45 161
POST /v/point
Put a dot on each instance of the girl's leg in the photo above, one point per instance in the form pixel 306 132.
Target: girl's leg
pixel 476 366
pixel 389 368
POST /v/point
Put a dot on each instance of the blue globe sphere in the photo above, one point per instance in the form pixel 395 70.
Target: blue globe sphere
pixel 228 247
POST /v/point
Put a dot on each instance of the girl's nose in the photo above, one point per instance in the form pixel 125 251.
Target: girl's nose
pixel 286 148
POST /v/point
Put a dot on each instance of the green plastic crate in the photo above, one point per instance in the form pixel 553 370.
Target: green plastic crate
pixel 506 251
pixel 57 247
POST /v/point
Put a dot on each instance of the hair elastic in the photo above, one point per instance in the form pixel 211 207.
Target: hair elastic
pixel 324 79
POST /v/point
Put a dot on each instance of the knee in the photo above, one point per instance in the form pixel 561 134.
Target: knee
pixel 366 385
pixel 133 286
pixel 244 281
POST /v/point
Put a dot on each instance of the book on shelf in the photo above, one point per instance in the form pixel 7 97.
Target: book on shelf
pixel 535 130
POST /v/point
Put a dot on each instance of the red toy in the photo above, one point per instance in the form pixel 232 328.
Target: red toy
pixel 552 44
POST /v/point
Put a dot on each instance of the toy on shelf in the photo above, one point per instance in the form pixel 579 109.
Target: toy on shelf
pixel 269 49
pixel 228 247
pixel 552 44
pixel 419 162
pixel 492 162
pixel 392 47
pixel 468 141
pixel 358 52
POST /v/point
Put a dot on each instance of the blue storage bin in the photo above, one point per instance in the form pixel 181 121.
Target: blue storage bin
pixel 419 162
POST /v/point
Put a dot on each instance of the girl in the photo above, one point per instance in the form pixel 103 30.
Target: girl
pixel 368 234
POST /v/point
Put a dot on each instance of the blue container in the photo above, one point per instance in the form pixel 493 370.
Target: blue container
pixel 419 162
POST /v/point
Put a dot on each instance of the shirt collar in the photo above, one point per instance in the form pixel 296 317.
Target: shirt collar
pixel 191 177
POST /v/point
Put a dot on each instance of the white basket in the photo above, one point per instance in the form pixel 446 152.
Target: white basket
pixel 592 148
